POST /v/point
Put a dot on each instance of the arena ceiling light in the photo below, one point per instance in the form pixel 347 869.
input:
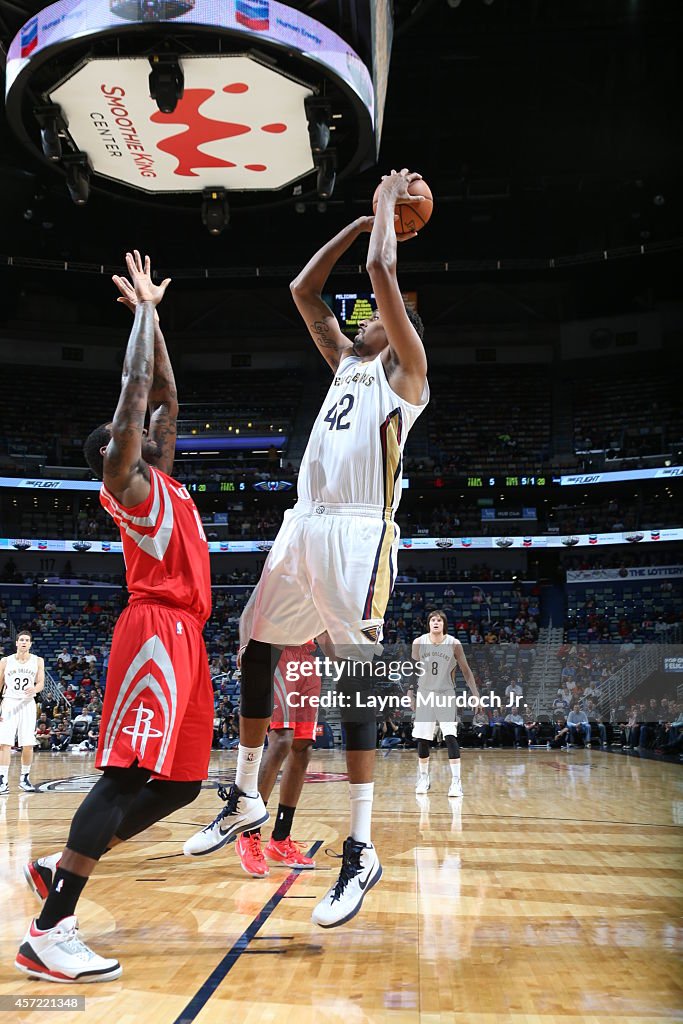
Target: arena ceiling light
pixel 240 96
pixel 319 116
pixel 215 211
pixel 327 174
pixel 78 177
pixel 166 82
pixel 53 128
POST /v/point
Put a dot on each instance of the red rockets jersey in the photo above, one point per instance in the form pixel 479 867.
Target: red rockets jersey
pixel 164 547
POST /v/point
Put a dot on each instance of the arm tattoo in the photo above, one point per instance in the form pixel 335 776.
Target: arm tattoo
pixel 321 335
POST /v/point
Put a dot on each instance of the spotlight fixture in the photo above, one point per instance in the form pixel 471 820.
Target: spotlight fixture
pixel 326 164
pixel 166 81
pixel 215 210
pixel 53 125
pixel 78 172
pixel 318 115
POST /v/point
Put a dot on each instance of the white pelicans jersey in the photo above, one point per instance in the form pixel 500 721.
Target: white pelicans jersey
pixel 19 675
pixel 438 661
pixel 354 455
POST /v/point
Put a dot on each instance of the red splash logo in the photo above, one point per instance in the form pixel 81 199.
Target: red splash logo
pixel 200 130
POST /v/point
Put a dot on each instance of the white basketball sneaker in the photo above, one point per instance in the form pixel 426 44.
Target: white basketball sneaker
pixel 26 784
pixel 57 954
pixel 239 814
pixel 423 784
pixel 455 788
pixel 39 874
pixel 360 870
pixel 4 788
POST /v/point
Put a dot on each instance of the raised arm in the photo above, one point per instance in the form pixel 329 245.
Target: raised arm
pixel 162 400
pixel 405 361
pixel 307 288
pixel 126 474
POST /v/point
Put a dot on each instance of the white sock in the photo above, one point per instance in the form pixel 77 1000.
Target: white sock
pixel 25 771
pixel 4 772
pixel 455 769
pixel 361 794
pixel 423 764
pixel 248 761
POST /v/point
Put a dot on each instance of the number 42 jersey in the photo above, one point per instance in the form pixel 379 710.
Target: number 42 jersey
pixel 354 455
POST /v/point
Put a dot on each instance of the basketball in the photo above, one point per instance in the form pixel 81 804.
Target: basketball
pixel 411 217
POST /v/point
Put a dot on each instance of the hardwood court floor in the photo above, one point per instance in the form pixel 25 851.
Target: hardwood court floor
pixel 551 894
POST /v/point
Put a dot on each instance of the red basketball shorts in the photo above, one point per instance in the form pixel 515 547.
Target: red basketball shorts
pixel 295 682
pixel 158 701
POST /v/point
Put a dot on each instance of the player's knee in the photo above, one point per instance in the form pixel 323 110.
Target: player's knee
pixel 360 735
pixel 453 748
pixel 301 749
pixel 423 749
pixel 258 665
pixel 180 794
pixel 102 811
pixel 281 741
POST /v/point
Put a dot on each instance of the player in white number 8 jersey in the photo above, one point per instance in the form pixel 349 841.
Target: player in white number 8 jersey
pixel 437 656
pixel 333 564
pixel 23 676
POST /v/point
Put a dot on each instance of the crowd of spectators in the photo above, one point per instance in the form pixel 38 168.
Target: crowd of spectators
pixel 249 516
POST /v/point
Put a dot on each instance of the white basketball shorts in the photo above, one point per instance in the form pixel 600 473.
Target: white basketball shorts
pixel 331 568
pixel 18 719
pixel 435 707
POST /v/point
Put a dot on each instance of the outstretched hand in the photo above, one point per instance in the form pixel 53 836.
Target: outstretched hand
pixel 140 288
pixel 397 183
pixel 128 298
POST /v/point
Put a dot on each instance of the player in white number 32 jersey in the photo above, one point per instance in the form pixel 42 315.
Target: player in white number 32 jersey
pixel 23 676
pixel 333 563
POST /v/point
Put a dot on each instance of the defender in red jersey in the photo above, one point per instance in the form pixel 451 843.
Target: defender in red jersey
pixel 157 719
pixel 296 691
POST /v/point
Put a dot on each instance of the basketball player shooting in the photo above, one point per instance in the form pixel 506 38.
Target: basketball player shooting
pixel 333 563
pixel 23 677
pixel 157 720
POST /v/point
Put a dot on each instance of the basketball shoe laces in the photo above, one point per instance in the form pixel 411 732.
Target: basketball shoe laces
pixel 254 841
pixel 290 845
pixel 351 866
pixel 231 796
pixel 73 944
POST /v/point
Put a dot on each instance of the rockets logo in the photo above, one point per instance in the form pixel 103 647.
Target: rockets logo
pixel 141 730
pixel 186 145
pixel 29 37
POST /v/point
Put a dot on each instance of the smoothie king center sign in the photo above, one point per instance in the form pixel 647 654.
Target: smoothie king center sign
pixel 239 125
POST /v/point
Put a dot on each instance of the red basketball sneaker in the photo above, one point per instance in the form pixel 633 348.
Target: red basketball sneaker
pixel 287 852
pixel 251 855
